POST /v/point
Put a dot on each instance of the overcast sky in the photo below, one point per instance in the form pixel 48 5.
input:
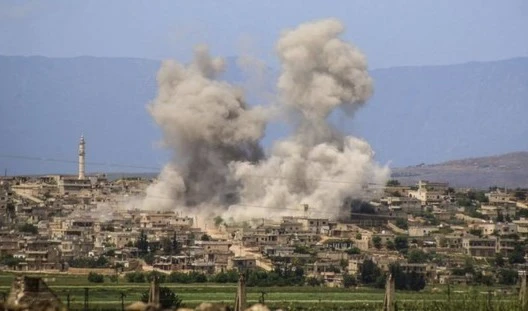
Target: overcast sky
pixel 391 33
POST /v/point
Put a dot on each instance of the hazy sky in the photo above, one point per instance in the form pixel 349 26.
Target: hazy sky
pixel 391 33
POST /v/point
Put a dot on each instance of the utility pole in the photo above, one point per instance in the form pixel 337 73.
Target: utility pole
pixel 123 301
pixel 389 301
pixel 523 291
pixel 240 300
pixel 86 289
pixel 68 300
pixel 154 293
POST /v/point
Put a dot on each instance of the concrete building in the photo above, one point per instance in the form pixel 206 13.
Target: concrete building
pixel 429 192
pixel 419 231
pixel 241 263
pixel 498 197
pixel 73 185
pixel 405 204
pixel 428 271
pixel 479 247
pixel 492 228
pixel 506 209
pixel 505 246
pixel 522 226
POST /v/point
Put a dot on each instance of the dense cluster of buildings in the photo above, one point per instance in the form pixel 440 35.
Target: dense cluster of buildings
pixel 54 222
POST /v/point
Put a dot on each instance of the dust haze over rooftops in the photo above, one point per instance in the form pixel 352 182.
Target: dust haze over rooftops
pixel 217 165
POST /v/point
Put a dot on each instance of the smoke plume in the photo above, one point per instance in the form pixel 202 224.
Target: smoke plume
pixel 207 125
pixel 215 136
pixel 317 165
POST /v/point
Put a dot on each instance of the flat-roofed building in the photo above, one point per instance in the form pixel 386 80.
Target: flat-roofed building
pixel 479 247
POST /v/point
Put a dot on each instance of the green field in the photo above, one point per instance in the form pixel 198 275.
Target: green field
pixel 107 296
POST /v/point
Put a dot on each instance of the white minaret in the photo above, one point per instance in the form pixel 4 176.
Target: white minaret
pixel 81 158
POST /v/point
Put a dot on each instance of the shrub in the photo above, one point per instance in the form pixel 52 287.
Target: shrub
pixel 230 276
pixel 401 244
pixel 89 262
pixel 311 281
pixel 179 277
pixel 135 277
pixel 167 298
pixel 402 223
pixel 508 276
pixel 155 274
pixel 192 277
pixel 369 272
pixel 113 278
pixel 353 251
pixel 197 277
pixel 95 277
pixel 349 280
pixel 9 261
pixel 417 256
pixel 28 228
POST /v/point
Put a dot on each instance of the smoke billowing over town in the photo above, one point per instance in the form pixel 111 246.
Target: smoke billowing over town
pixel 294 176
pixel 218 164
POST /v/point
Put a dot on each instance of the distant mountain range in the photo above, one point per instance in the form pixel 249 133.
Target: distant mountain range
pixel 508 170
pixel 417 115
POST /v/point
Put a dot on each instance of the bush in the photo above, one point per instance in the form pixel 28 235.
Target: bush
pixel 349 280
pixel 353 251
pixel 230 276
pixel 417 256
pixel 369 272
pixel 155 274
pixel 135 277
pixel 167 298
pixel 89 262
pixel 402 223
pixel 148 258
pixel 376 240
pixel 278 277
pixel 401 244
pixel 9 261
pixel 415 281
pixel 311 281
pixel 185 278
pixel 28 228
pixel 197 277
pixel 402 281
pixel 508 276
pixel 95 277
pixel 179 277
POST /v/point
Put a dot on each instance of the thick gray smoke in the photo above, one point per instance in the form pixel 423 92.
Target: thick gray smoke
pixel 207 125
pixel 317 166
pixel 215 136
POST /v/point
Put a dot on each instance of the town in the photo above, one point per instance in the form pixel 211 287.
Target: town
pixel 428 233
pixel 263 155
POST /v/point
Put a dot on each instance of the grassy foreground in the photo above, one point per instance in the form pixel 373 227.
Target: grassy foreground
pixel 107 296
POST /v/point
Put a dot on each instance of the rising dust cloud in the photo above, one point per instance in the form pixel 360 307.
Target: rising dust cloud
pixel 218 166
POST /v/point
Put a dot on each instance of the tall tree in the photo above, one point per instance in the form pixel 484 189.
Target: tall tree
pixel 142 243
pixel 369 272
